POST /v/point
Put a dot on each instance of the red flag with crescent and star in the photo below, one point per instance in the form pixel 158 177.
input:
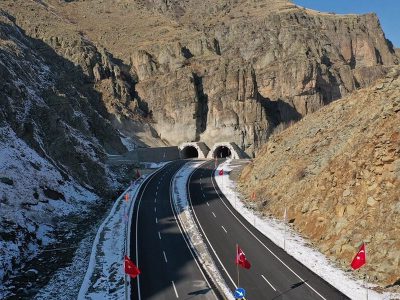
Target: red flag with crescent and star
pixel 360 259
pixel 221 172
pixel 130 268
pixel 241 259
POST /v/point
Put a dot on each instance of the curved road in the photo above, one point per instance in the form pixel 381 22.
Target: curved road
pixel 274 274
pixel 169 269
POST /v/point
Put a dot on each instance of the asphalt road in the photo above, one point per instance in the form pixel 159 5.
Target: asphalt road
pixel 274 274
pixel 168 268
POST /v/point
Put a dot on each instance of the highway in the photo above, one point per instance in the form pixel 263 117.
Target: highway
pixel 169 270
pixel 274 274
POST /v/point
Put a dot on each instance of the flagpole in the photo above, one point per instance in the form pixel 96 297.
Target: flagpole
pixel 284 233
pixel 365 277
pixel 237 265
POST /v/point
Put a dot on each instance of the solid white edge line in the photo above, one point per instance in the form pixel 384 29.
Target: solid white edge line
pixel 212 181
pixel 165 257
pixel 176 292
pixel 202 230
pixel 183 234
pixel 224 229
pixel 136 229
pixel 268 282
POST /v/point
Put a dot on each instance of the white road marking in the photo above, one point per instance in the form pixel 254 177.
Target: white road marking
pixel 214 215
pixel 268 282
pixel 156 193
pixel 224 229
pixel 204 196
pixel 155 200
pixel 208 204
pixel 156 220
pixel 165 257
pixel 270 251
pixel 176 292
pixel 159 235
pixel 155 209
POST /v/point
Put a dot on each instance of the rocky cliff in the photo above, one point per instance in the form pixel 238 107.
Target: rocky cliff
pixel 54 139
pixel 213 70
pixel 338 173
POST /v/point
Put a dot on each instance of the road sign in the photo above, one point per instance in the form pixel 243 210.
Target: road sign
pixel 240 293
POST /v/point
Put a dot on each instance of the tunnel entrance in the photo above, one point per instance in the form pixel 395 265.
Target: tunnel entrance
pixel 190 152
pixel 222 152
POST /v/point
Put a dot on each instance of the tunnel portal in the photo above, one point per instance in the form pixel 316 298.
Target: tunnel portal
pixel 190 152
pixel 222 152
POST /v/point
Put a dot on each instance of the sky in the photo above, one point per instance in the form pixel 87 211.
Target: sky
pixel 387 10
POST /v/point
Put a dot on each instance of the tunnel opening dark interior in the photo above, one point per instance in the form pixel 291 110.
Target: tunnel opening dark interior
pixel 222 152
pixel 190 152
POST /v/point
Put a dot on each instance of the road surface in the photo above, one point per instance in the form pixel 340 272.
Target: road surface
pixel 273 274
pixel 169 269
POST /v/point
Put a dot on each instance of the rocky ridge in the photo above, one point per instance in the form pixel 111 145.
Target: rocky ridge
pixel 216 70
pixel 338 173
pixel 54 139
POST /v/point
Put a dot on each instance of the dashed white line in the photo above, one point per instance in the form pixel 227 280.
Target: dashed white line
pixel 165 257
pixel 156 193
pixel 159 235
pixel 155 209
pixel 268 282
pixel 214 214
pixel 208 203
pixel 155 200
pixel 204 196
pixel 224 229
pixel 156 220
pixel 176 292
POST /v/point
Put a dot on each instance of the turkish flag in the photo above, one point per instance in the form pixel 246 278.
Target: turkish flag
pixel 130 268
pixel 127 197
pixel 221 172
pixel 241 258
pixel 360 259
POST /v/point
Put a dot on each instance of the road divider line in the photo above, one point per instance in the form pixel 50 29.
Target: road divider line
pixel 176 292
pixel 159 235
pixel 268 282
pixel 208 204
pixel 155 209
pixel 269 250
pixel 156 220
pixel 224 229
pixel 213 214
pixel 165 257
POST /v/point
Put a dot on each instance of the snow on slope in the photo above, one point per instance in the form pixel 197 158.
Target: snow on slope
pixel 296 246
pixel 33 194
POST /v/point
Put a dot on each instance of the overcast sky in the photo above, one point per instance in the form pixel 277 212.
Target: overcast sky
pixel 388 12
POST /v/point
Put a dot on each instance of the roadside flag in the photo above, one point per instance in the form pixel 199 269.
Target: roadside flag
pixel 130 268
pixel 241 259
pixel 127 197
pixel 221 172
pixel 360 259
pixel 137 174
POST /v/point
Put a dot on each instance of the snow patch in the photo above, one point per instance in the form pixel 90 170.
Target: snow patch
pixel 296 246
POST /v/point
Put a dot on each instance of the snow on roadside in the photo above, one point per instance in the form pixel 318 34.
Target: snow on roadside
pixel 185 216
pixel 296 246
pixel 104 277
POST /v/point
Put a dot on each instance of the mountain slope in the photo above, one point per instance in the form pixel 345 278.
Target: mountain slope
pixel 338 173
pixel 54 140
pixel 216 70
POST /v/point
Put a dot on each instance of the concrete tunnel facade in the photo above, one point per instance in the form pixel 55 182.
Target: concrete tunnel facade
pixel 219 150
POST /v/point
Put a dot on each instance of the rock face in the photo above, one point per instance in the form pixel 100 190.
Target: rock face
pixel 338 173
pixel 54 137
pixel 212 70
